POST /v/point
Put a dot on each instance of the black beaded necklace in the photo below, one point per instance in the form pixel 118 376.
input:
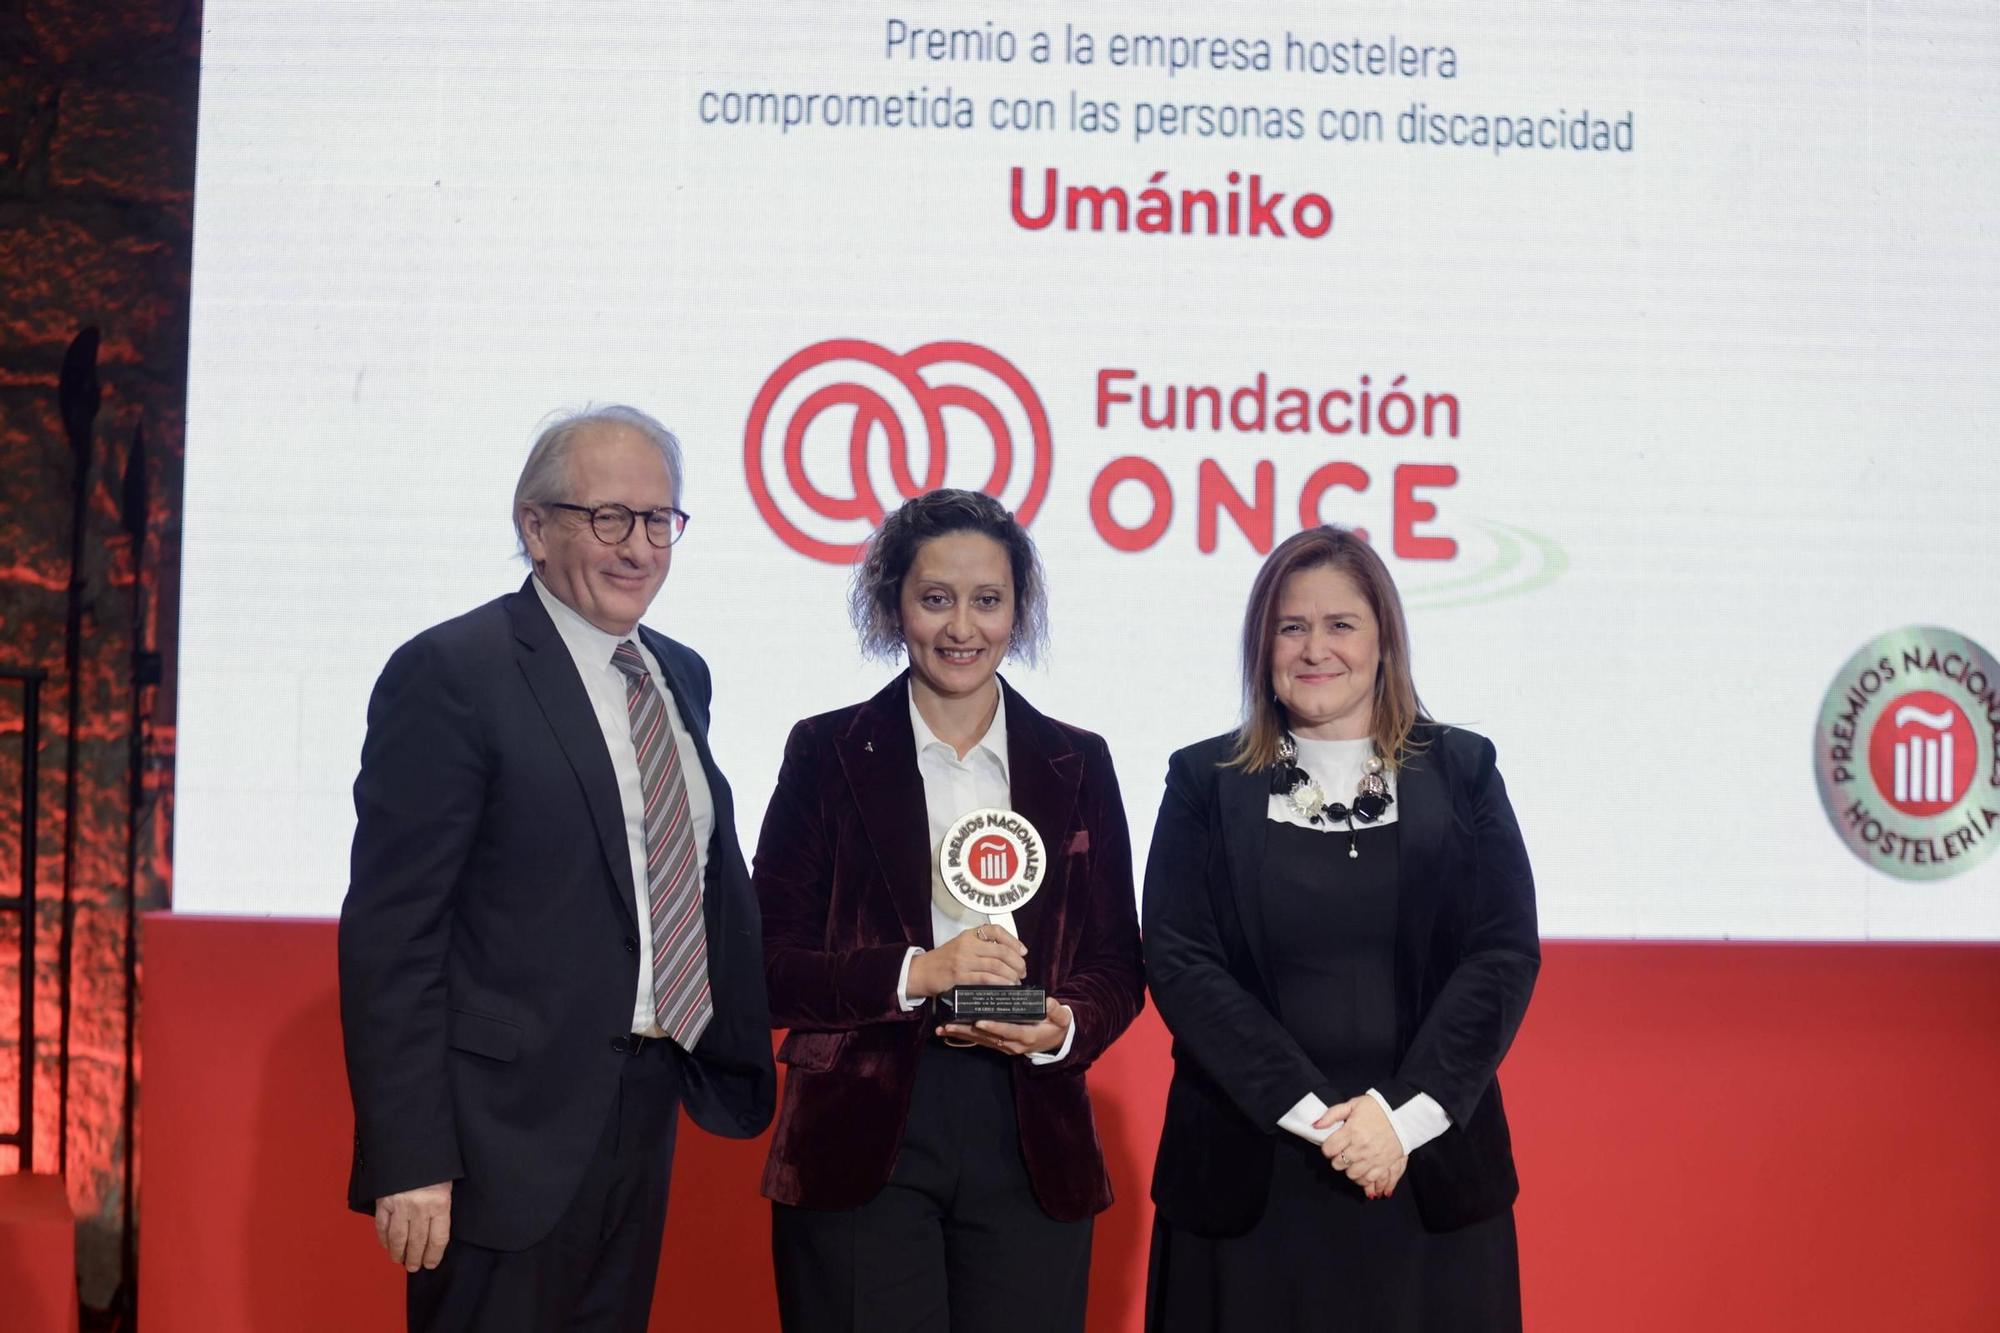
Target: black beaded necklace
pixel 1371 795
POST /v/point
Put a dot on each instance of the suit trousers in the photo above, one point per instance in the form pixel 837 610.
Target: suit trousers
pixel 955 1242
pixel 594 1272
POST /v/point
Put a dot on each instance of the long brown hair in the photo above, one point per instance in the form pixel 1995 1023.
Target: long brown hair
pixel 1396 710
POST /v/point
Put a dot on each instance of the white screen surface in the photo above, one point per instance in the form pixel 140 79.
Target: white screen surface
pixel 1697 412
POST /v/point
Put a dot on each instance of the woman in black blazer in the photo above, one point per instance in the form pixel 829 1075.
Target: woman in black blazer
pixel 1340 933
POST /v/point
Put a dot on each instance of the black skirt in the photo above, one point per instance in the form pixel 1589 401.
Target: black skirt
pixel 1323 1256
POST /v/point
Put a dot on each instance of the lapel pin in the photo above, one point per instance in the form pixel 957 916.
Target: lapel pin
pixel 868 746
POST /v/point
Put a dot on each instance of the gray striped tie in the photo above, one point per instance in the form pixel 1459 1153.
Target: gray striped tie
pixel 681 1002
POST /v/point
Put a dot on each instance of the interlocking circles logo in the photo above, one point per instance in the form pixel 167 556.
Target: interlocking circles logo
pixel 1907 755
pixel 845 431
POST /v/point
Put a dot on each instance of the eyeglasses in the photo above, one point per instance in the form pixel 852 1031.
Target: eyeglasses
pixel 612 524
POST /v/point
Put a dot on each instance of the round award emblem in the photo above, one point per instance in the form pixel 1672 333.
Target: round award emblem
pixel 991 862
pixel 1906 753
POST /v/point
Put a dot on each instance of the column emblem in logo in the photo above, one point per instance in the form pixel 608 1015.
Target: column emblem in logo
pixel 846 430
pixel 1906 753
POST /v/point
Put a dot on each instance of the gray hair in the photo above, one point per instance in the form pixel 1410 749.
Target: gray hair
pixel 545 476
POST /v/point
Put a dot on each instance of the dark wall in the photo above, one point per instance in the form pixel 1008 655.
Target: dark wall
pixel 97 133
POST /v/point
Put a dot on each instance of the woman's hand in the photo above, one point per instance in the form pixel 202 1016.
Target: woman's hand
pixel 1015 1038
pixel 1381 1184
pixel 987 956
pixel 1366 1145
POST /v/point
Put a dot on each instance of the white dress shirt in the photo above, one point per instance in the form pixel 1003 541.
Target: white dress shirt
pixel 591 649
pixel 953 788
pixel 1337 767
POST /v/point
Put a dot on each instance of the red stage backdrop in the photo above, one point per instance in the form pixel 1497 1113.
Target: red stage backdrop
pixel 1712 1137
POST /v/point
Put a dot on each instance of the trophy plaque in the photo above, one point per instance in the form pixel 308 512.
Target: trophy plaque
pixel 991 861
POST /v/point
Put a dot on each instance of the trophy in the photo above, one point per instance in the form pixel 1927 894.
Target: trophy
pixel 991 862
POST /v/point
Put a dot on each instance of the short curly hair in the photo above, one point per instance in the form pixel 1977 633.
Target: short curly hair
pixel 876 596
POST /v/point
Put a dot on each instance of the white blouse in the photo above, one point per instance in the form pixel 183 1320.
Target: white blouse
pixel 1336 768
pixel 953 788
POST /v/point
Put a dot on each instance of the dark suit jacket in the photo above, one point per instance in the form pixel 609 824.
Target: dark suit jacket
pixel 1467 951
pixel 489 940
pixel 844 876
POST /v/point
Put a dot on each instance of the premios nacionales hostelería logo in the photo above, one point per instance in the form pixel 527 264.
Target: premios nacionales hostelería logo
pixel 1906 753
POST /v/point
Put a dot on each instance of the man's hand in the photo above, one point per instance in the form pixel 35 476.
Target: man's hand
pixel 987 956
pixel 415 1226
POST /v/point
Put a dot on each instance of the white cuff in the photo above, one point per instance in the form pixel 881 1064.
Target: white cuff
pixel 1299 1120
pixel 903 982
pixel 1069 1038
pixel 1416 1122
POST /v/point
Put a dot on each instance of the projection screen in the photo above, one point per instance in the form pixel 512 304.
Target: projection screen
pixel 1654 347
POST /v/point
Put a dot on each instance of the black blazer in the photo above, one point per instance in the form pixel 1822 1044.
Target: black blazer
pixel 1467 951
pixel 489 940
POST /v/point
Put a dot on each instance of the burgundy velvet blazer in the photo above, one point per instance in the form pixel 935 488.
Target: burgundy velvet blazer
pixel 843 873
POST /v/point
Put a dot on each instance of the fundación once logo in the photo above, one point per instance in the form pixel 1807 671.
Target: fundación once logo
pixel 1906 753
pixel 846 430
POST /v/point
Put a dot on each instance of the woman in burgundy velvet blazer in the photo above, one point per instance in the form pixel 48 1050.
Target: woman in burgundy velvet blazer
pixel 974 1171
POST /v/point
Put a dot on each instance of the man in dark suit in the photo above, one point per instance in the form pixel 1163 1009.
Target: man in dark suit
pixel 549 943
